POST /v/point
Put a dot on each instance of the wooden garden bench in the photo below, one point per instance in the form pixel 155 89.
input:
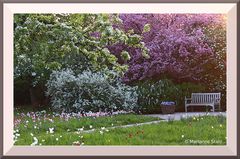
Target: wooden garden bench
pixel 203 99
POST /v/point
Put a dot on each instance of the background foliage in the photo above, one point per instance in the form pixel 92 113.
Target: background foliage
pixel 151 94
pixel 163 56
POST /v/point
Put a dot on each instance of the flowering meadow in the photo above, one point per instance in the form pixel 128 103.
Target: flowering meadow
pixel 93 78
pixel 42 128
pixel 29 126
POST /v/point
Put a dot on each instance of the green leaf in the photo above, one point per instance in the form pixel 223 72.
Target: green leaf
pixel 125 55
pixel 146 28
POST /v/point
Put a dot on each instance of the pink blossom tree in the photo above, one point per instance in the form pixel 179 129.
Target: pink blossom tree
pixel 183 47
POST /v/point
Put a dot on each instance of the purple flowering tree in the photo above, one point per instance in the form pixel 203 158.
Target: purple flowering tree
pixel 183 47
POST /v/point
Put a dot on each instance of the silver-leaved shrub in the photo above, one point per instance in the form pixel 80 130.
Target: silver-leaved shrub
pixel 88 91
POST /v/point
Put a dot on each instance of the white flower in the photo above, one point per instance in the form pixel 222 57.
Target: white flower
pixel 220 125
pixel 112 124
pixel 56 139
pixel 80 129
pixel 61 136
pixel 182 136
pixel 102 128
pixel 17 135
pixel 90 126
pixel 43 140
pixel 35 142
pixel 51 120
pixel 107 130
pixel 82 143
pixel 101 132
pixel 21 56
pixel 34 74
pixel 31 134
pixel 35 139
pixel 68 130
pixel 81 137
pixel 76 143
pixel 212 127
pixel 51 130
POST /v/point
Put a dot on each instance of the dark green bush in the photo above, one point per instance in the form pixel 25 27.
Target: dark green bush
pixel 185 90
pixel 151 94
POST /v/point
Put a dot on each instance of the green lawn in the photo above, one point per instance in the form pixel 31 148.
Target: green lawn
pixel 193 131
pixel 206 130
pixel 39 124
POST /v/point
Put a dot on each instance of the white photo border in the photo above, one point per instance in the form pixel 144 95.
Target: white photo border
pixel 11 8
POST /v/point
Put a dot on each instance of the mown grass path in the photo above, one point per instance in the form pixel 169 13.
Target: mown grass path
pixel 125 126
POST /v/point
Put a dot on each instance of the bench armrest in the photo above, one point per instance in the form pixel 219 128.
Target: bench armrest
pixel 217 100
pixel 187 100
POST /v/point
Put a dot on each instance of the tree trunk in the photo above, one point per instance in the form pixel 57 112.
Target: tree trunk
pixel 38 98
pixel 33 97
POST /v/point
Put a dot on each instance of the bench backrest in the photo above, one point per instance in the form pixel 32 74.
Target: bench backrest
pixel 205 97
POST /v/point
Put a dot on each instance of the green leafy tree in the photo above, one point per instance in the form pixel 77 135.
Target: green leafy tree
pixel 47 42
